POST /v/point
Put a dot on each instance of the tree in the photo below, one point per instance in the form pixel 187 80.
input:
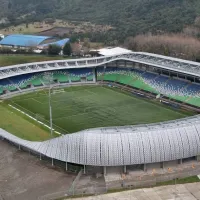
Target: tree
pixel 67 50
pixel 76 49
pixel 9 5
pixel 54 49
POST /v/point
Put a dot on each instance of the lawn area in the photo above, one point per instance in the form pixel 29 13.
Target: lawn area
pixel 33 28
pixel 6 60
pixel 191 179
pixel 18 125
pixel 83 107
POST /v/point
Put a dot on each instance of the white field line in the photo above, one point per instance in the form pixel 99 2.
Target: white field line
pixel 155 105
pixel 90 92
pixel 70 116
pixel 37 101
pixel 34 119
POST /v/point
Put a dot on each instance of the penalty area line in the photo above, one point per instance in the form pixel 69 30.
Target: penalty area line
pixel 34 119
pixel 37 101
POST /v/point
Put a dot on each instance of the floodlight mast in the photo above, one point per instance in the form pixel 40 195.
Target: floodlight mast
pixel 50 111
pixel 48 77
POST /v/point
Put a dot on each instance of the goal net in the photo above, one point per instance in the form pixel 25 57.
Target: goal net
pixel 57 91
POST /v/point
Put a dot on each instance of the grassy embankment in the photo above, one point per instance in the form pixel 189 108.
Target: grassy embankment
pixel 6 60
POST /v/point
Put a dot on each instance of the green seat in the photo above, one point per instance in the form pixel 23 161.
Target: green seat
pixel 1 90
pixel 23 86
pixel 149 88
pixel 137 83
pixel 179 98
pixel 99 77
pixel 36 82
pixel 124 79
pixel 62 78
pixel 90 78
pixel 75 78
pixel 186 99
pixel 194 101
pixel 11 88
pixel 110 77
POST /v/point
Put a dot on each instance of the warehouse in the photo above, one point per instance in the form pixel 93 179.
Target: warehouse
pixel 30 41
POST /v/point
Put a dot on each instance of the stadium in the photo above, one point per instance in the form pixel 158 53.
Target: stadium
pixel 146 130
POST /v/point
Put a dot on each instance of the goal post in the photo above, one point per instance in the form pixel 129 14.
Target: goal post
pixel 57 91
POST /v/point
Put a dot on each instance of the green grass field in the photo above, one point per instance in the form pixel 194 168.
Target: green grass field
pixel 19 125
pixel 6 60
pixel 83 107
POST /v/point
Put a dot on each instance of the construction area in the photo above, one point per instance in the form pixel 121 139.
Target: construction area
pixel 23 176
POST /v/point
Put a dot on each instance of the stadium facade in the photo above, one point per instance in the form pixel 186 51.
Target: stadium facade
pixel 118 146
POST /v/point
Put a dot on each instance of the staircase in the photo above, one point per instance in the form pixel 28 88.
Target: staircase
pixel 14 84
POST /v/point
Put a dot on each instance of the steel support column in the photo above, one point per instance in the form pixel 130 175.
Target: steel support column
pixel 145 167
pixel 66 167
pixel 198 158
pixel 180 161
pixel 104 170
pixel 124 169
pixel 52 163
pixel 84 170
pixel 162 165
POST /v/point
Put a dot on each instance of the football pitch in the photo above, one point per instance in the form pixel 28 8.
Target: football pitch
pixel 82 107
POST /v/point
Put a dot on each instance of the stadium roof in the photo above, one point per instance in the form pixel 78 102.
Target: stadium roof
pixel 23 40
pixel 117 146
pixel 113 51
pixel 158 61
pixel 60 43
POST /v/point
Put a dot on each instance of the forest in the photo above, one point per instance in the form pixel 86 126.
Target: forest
pixel 130 17
pixel 169 27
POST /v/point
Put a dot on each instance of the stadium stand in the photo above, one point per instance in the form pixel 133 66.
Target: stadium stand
pixel 173 88
pixel 7 85
pixel 135 76
pixel 61 77
pixel 37 79
pixel 180 90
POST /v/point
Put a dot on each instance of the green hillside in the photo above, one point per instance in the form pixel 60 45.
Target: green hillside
pixel 130 17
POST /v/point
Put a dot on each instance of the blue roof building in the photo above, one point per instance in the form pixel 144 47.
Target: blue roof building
pixel 23 40
pixel 60 43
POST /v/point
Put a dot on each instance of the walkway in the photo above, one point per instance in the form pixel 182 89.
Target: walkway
pixel 190 191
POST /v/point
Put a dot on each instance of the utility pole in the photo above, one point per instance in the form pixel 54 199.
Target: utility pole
pixel 48 78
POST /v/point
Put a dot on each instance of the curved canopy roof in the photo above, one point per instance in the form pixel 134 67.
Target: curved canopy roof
pixel 113 51
pixel 23 40
pixel 116 146
pixel 157 61
pixel 60 43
